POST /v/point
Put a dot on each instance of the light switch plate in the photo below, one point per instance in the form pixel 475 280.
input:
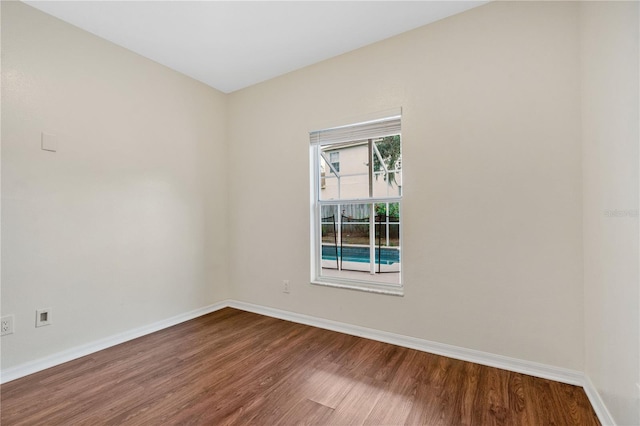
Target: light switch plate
pixel 49 142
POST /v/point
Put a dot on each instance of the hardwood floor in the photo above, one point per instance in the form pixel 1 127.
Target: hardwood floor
pixel 235 367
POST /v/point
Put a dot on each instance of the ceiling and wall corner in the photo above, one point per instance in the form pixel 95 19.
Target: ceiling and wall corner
pixel 230 45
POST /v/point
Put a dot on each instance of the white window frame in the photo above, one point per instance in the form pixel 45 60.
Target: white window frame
pixel 386 125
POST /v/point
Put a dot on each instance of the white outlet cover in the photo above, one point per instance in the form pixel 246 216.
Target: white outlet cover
pixel 6 325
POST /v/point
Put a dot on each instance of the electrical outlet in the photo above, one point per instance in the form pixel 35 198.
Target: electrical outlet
pixel 43 317
pixel 6 325
pixel 285 286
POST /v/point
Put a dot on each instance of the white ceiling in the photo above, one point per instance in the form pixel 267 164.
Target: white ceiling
pixel 230 45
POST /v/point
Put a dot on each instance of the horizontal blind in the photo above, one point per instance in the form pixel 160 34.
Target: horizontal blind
pixel 378 128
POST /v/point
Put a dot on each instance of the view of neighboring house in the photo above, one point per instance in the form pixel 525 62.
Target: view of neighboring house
pixel 348 175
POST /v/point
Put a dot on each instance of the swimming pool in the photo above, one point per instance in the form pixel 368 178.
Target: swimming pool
pixel 388 255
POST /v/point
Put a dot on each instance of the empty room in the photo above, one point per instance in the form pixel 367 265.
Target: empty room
pixel 273 213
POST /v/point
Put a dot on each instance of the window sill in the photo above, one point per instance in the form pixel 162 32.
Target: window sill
pixel 366 287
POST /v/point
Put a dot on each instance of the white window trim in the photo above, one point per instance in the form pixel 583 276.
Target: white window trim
pixel 316 231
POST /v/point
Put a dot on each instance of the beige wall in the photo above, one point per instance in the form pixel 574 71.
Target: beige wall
pixel 492 181
pixel 609 53
pixel 125 224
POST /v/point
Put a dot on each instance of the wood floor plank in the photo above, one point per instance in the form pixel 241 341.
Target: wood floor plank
pixel 394 406
pixel 356 406
pixel 444 389
pixel 469 389
pixel 495 398
pixel 391 408
pixel 306 412
pixel 327 385
pixel 235 368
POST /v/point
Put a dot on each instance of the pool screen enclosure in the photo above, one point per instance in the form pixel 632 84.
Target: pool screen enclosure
pixel 339 252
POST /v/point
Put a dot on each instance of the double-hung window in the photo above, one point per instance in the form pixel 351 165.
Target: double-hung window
pixel 357 205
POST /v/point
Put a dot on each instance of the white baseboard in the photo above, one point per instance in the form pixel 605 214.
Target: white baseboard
pixel 544 371
pixel 597 403
pixel 79 351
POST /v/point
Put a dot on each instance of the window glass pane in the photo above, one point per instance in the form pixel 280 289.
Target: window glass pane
pixel 346 171
pixel 387 244
pixel 387 167
pixel 388 221
pixel 354 186
pixel 330 222
pixel 330 189
pixel 346 246
pixel 355 224
pixel 329 245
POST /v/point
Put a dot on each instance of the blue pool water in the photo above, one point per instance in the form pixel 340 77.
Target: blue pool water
pixel 388 256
